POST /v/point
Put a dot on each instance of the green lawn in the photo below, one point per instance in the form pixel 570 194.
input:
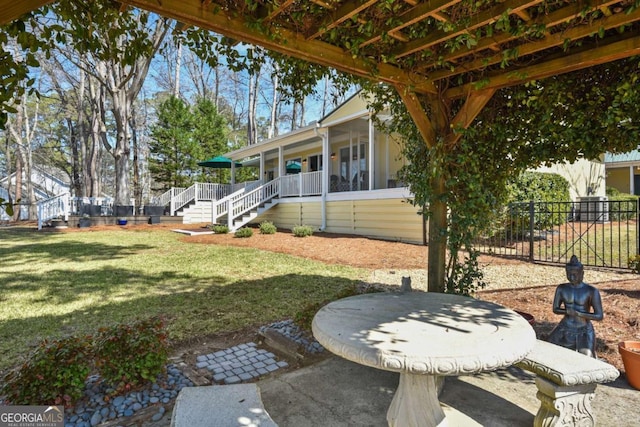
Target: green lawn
pixel 58 284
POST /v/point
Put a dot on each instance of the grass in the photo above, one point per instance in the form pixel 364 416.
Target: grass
pixel 58 284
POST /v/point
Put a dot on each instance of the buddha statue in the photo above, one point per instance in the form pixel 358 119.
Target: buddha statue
pixel 580 303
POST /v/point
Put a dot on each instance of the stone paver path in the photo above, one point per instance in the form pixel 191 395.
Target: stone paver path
pixel 239 363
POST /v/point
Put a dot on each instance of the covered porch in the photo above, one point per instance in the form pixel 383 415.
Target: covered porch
pixel 343 152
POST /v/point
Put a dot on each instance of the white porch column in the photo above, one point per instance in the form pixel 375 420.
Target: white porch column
pixel 326 159
pixel 233 171
pixel 632 190
pixel 281 168
pixel 262 172
pixel 371 152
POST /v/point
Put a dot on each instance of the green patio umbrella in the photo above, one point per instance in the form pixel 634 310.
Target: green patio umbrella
pixel 293 167
pixel 219 162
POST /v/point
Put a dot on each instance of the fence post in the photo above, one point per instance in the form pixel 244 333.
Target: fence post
pixel 531 224
pixel 638 226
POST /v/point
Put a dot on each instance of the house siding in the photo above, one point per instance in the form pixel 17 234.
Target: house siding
pixel 386 219
pixel 288 215
pixel 619 178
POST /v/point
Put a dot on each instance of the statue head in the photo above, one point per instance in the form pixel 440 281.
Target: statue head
pixel 575 270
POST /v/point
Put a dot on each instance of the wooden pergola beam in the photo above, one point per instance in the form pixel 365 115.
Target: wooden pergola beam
pixel 474 104
pixel 482 19
pixel 418 114
pixel 410 17
pixel 553 40
pixel 282 41
pixel 11 11
pixel 625 48
pixel 344 12
pixel 548 20
pixel 278 10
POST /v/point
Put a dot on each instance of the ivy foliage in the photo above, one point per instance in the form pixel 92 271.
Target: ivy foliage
pixel 562 118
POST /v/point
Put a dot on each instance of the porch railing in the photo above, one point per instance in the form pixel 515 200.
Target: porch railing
pixel 55 207
pixel 302 184
pixel 220 207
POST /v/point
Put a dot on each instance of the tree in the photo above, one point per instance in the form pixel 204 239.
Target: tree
pixel 116 47
pixel 173 152
pixel 209 134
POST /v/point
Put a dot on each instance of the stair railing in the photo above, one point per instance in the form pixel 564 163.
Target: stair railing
pixel 165 198
pixel 221 207
pixel 183 198
pixel 55 207
pixel 243 203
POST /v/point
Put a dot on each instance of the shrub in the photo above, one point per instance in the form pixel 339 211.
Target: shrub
pixel 622 206
pixel 302 230
pixel 128 355
pixel 54 374
pixel 539 187
pixel 244 232
pixel 634 264
pixel 220 229
pixel 542 188
pixel 267 227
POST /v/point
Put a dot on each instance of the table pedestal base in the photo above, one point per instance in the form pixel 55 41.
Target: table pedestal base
pixel 415 403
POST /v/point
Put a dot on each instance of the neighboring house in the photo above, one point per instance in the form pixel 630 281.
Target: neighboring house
pixel 46 183
pixel 623 171
pixel 340 175
pixel 586 178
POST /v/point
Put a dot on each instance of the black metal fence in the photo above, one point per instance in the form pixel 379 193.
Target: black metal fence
pixel 599 232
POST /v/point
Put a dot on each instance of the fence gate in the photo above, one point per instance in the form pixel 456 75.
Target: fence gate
pixel 599 232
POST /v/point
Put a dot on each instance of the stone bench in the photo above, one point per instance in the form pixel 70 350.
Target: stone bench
pixel 566 382
pixel 220 405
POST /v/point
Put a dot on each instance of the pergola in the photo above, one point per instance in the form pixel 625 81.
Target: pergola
pixel 432 52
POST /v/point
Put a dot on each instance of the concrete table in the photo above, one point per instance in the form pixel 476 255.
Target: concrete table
pixel 422 336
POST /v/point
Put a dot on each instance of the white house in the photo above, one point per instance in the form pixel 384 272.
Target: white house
pixel 340 175
pixel 46 183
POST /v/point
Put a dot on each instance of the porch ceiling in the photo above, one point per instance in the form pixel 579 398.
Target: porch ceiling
pixel 296 139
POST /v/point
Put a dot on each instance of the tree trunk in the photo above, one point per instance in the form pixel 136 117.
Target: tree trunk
pixel 176 87
pixel 18 210
pixel 274 103
pixel 92 140
pixel 252 130
pixel 137 182
pixel 122 149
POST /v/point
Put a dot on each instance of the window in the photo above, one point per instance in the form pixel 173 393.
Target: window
pixel 315 163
